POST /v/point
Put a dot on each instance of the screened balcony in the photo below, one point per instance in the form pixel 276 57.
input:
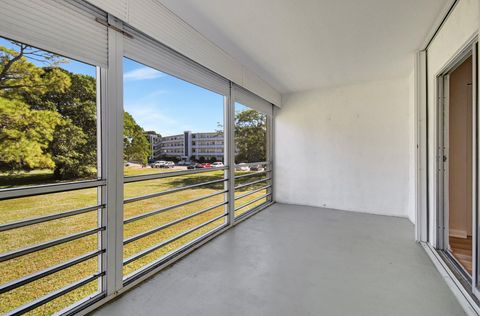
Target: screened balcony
pixel 239 158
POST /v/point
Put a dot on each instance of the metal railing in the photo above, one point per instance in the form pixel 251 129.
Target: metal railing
pixel 11 193
pixel 249 164
pixel 51 296
pixel 267 172
pixel 21 192
pixel 252 201
pixel 252 192
pixel 46 272
pixel 254 173
pixel 25 251
pixel 183 173
pixel 43 219
pixel 174 222
pixel 251 183
pixel 62 187
pixel 171 207
pixel 170 174
pixel 168 241
pixel 174 190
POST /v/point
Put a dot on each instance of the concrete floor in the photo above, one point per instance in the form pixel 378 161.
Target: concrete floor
pixel 296 260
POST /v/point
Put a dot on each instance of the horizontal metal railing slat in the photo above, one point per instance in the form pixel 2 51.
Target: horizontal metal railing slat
pixel 49 188
pixel 155 176
pixel 161 227
pixel 168 208
pixel 51 296
pixel 251 174
pixel 168 241
pixel 41 274
pixel 252 201
pixel 48 244
pixel 252 183
pixel 153 195
pixel 38 220
pixel 252 192
pixel 248 164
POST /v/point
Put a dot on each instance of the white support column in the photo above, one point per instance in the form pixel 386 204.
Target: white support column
pixel 229 136
pixel 270 151
pixel 421 206
pixel 113 159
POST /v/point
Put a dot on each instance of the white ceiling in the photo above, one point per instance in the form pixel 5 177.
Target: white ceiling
pixel 303 44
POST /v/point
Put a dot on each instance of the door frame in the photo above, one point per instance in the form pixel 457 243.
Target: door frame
pixel 443 158
pixel 442 145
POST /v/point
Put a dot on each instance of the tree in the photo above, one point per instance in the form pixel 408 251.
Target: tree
pixel 250 136
pixel 24 136
pixel 20 78
pixel 74 147
pixel 70 161
pixel 69 144
pixel 135 144
pixel 46 90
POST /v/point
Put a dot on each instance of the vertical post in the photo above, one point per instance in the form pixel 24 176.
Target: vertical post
pixel 229 136
pixel 422 219
pixel 475 122
pixel 113 158
pixel 101 163
pixel 270 160
pixel 421 212
pixel 439 164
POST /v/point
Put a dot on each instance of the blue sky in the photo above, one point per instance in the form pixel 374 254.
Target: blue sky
pixel 168 105
pixel 158 101
pixel 72 65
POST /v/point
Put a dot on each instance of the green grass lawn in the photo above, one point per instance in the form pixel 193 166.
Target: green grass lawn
pixel 31 207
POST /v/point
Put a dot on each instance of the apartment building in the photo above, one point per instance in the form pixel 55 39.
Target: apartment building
pixel 191 146
pixel 154 141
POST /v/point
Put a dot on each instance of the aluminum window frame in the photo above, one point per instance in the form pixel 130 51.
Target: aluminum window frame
pixel 100 229
pixel 255 103
pixel 158 65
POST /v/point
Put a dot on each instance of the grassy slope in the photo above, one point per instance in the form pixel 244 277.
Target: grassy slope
pixel 30 207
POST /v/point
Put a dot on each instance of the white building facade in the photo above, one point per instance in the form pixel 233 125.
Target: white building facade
pixel 192 146
pixel 154 141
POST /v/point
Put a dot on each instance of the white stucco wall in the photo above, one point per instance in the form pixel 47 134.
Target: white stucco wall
pixel 458 29
pixel 347 148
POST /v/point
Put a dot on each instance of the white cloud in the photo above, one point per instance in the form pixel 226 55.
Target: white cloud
pixel 144 73
pixel 147 112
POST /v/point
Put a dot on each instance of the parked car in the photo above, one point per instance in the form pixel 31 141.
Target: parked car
pixel 242 167
pixel 257 168
pixel 217 164
pixel 204 165
pixel 158 164
pixel 169 164
pixel 193 166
